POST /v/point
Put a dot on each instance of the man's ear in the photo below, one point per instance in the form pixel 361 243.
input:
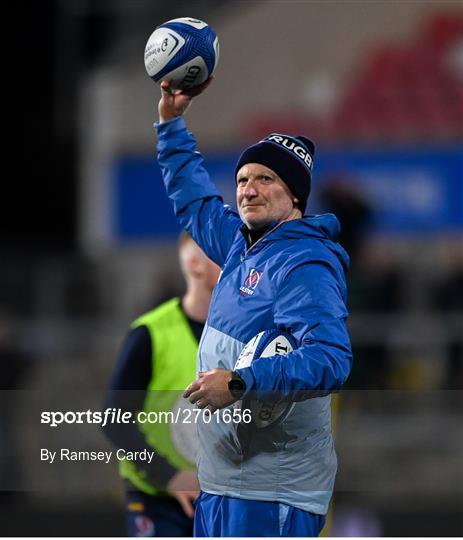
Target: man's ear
pixel 196 267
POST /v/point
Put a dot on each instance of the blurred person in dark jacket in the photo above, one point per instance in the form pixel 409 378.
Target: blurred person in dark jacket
pixel 339 195
pixel 447 297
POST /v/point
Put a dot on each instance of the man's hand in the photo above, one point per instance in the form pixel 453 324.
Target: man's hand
pixel 210 391
pixel 174 103
pixel 185 488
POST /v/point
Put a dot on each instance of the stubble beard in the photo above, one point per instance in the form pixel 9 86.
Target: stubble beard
pixel 257 224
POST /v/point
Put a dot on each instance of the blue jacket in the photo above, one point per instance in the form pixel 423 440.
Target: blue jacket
pixel 293 279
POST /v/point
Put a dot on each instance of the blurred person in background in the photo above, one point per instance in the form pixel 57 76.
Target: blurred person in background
pixel 374 280
pixel 338 195
pixel 447 298
pixel 157 360
pixel 280 269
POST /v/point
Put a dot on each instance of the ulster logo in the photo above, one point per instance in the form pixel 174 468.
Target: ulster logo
pixel 250 283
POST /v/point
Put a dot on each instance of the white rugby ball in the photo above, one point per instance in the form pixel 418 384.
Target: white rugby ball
pixel 265 344
pixel 184 51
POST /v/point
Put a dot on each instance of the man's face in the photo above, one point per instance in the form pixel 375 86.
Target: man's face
pixel 195 264
pixel 262 197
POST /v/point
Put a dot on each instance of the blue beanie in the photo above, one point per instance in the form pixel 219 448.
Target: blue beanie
pixel 290 157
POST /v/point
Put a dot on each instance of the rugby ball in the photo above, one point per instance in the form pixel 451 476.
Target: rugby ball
pixel 184 51
pixel 263 345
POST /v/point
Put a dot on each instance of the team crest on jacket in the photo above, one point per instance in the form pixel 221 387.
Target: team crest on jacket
pixel 250 283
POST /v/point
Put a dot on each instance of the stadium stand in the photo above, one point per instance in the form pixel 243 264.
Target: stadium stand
pixel 397 94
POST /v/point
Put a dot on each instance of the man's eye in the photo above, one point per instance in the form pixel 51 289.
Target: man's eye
pixel 242 181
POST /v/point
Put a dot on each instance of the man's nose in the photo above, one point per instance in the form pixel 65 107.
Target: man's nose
pixel 250 190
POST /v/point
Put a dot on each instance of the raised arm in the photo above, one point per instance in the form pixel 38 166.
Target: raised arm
pixel 197 203
pixel 174 103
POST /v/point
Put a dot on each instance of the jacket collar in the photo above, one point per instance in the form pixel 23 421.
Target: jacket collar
pixel 324 227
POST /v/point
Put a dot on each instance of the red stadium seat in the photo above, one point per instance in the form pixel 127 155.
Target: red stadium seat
pixel 400 94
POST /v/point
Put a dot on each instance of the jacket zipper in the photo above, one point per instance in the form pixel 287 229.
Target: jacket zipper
pixel 246 253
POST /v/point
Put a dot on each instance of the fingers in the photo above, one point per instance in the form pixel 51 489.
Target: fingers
pixel 210 390
pixel 199 399
pixel 206 405
pixel 186 502
pixel 203 403
pixel 165 87
pixel 191 92
pixel 193 387
pixel 199 89
pixel 196 396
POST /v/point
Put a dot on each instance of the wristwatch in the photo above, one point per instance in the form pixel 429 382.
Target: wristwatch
pixel 236 385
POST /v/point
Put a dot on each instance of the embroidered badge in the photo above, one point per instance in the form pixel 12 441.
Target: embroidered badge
pixel 250 283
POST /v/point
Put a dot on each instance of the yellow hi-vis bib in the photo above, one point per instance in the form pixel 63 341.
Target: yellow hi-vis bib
pixel 174 348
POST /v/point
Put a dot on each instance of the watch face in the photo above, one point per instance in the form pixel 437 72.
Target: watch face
pixel 236 384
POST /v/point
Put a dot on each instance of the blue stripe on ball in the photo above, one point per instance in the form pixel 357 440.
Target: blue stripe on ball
pixel 268 337
pixel 197 43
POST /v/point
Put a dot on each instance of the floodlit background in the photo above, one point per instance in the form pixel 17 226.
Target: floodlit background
pixel 88 237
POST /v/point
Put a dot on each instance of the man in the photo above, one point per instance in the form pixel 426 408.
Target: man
pixel 282 270
pixel 157 360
